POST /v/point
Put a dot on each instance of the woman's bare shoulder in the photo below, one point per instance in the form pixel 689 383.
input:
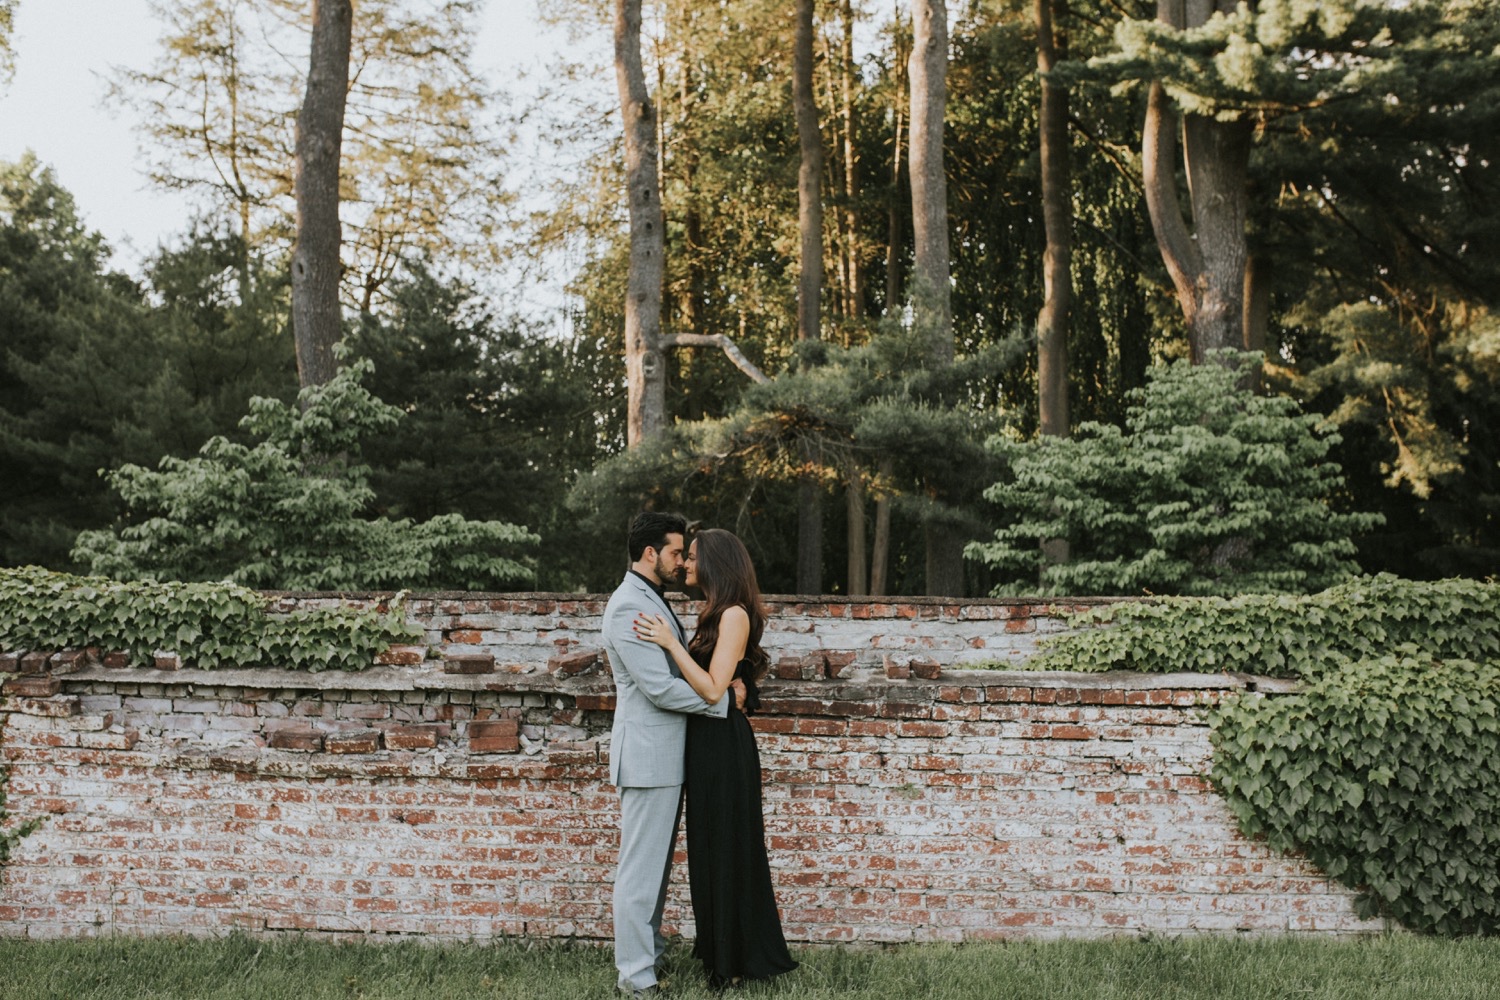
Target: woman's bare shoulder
pixel 735 614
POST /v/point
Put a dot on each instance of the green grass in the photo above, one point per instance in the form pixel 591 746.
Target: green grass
pixel 1398 967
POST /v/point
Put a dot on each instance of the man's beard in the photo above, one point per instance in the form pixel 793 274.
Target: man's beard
pixel 665 575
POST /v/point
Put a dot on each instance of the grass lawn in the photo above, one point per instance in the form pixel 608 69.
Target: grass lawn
pixel 1395 967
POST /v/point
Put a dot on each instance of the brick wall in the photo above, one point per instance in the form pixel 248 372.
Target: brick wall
pixel 465 795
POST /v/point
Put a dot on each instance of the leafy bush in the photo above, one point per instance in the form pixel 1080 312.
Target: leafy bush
pixel 1210 489
pixel 1386 775
pixel 208 624
pixel 287 512
pixel 1283 635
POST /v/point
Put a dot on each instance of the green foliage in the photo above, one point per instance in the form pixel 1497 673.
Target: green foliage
pixel 1373 180
pixel 209 625
pixel 10 836
pixel 1210 489
pixel 1381 769
pixel 837 414
pixel 217 110
pixel 497 419
pixel 1301 636
pixel 1383 773
pixel 285 512
pixel 97 371
pixel 7 52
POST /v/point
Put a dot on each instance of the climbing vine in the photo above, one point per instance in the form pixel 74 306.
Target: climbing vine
pixel 1282 635
pixel 1386 775
pixel 1383 769
pixel 208 625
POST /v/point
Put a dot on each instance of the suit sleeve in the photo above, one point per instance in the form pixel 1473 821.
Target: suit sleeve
pixel 647 664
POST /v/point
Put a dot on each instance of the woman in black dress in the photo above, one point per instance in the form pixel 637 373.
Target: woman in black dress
pixel 734 906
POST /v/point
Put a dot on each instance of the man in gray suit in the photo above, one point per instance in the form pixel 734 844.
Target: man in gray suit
pixel 646 746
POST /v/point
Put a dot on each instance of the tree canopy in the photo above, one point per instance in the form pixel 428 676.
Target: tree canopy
pixel 1338 191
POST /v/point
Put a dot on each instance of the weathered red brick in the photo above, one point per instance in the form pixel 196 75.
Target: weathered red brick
pixel 494 728
pixel 925 667
pixel 352 741
pixel 125 740
pixel 794 667
pixel 839 661
pixel 32 686
pixel 164 659
pixel 34 662
pixel 303 740
pixel 579 661
pixel 494 744
pixel 401 656
pixel 55 706
pixel 414 737
pixel 67 661
pixel 469 663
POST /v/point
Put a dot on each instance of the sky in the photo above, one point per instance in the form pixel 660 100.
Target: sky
pixel 54 105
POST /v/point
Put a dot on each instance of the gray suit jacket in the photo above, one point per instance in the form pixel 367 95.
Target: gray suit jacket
pixel 649 737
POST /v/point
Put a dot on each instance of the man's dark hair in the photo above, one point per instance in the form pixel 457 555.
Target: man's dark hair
pixel 650 528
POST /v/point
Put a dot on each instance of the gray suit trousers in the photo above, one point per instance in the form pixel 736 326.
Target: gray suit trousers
pixel 648 835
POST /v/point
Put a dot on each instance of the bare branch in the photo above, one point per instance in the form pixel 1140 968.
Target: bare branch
pixel 719 340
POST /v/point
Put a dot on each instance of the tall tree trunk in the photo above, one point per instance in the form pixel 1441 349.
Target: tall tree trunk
pixel 854 504
pixel 1057 259
pixel 809 178
pixel 880 547
pixel 316 321
pixel 931 263
pixel 855 285
pixel 894 235
pixel 645 372
pixel 1057 217
pixel 692 308
pixel 929 184
pixel 1207 260
pixel 881 542
pixel 810 281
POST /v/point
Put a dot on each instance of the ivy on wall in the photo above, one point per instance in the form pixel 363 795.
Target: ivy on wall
pixel 10 836
pixel 208 625
pixel 1282 635
pixel 1386 775
pixel 1384 768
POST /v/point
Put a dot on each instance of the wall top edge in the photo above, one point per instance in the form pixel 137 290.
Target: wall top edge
pixel 862 682
pixel 779 599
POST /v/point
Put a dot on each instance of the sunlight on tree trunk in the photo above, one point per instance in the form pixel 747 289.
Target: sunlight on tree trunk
pixel 316 319
pixel 931 266
pixel 810 281
pixel 1207 260
pixel 645 371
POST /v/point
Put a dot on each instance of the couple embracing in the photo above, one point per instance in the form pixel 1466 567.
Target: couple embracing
pixel 680 732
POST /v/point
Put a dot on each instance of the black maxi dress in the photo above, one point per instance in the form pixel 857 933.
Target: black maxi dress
pixel 729 877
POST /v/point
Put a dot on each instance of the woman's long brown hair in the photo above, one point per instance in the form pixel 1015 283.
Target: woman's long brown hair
pixel 727 577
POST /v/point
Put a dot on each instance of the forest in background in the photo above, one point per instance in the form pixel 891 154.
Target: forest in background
pixel 886 331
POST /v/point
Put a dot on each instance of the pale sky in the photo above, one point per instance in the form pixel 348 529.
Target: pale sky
pixel 54 106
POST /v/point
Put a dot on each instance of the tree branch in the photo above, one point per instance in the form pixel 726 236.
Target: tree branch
pixel 730 348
